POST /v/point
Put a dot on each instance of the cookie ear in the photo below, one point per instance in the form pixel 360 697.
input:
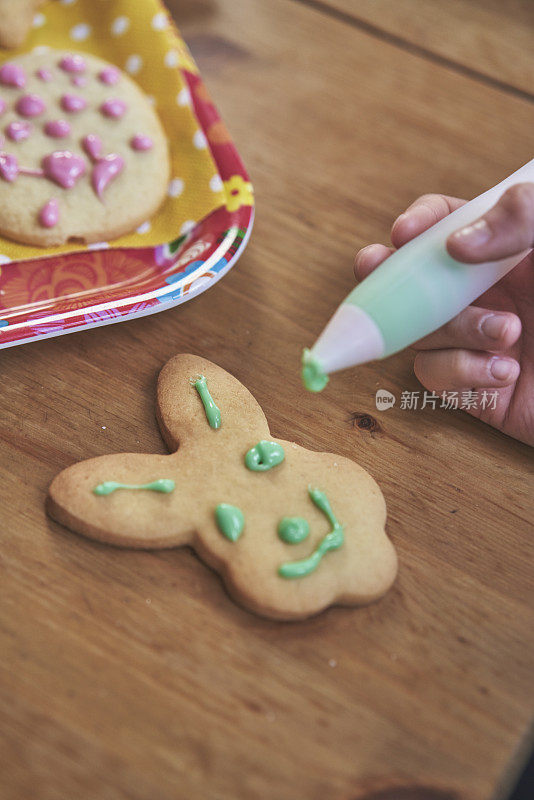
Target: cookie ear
pixel 181 413
pixel 119 516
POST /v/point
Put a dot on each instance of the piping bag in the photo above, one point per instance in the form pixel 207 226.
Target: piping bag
pixel 415 291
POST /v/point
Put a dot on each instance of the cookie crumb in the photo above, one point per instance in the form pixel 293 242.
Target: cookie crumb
pixel 148 601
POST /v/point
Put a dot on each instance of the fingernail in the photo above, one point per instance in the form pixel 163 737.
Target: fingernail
pixel 361 256
pixel 400 218
pixel 501 368
pixel 474 235
pixel 493 326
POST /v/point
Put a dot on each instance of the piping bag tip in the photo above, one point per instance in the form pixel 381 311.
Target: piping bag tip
pixel 314 377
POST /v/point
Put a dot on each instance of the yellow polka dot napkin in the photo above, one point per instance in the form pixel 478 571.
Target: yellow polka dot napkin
pixel 139 37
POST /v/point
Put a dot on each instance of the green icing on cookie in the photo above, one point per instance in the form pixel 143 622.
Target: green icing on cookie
pixel 163 485
pixel 213 413
pixel 293 530
pixel 230 521
pixel 264 455
pixel 332 541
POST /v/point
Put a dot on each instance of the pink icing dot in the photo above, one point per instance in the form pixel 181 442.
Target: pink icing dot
pixel 30 105
pixel 57 128
pixel 78 80
pixel 114 107
pixel 9 167
pixel 49 214
pixel 44 74
pixel 109 76
pixel 63 167
pixel 12 75
pixel 72 103
pixel 18 131
pixel 141 142
pixel 92 144
pixel 72 63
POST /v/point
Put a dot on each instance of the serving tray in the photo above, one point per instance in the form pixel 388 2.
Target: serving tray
pixel 62 292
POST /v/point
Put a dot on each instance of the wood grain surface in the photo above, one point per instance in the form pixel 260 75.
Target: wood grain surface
pixel 131 675
pixel 491 38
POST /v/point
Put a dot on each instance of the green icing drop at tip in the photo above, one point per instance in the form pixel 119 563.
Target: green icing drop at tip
pixel 313 376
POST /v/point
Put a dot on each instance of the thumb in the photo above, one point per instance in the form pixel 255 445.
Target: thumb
pixel 505 230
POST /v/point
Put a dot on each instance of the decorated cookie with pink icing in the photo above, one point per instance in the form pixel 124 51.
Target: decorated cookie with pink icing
pixel 83 155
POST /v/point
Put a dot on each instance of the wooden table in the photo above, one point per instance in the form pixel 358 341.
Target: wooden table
pixel 131 674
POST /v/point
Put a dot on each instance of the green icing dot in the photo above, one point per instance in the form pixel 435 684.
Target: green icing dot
pixel 264 455
pixel 293 530
pixel 313 376
pixel 163 485
pixel 230 521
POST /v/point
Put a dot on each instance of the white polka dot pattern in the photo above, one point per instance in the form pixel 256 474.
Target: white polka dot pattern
pixel 160 21
pixel 199 140
pixel 133 64
pixel 216 184
pixel 187 226
pixel 183 98
pixel 80 32
pixel 176 187
pixel 119 26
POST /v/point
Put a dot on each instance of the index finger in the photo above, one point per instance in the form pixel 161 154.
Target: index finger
pixel 421 215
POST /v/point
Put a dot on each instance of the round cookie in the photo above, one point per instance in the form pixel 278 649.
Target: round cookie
pixel 83 155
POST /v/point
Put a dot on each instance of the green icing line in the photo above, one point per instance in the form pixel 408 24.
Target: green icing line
pixel 264 455
pixel 332 541
pixel 230 521
pixel 313 376
pixel 164 485
pixel 213 414
pixel 293 530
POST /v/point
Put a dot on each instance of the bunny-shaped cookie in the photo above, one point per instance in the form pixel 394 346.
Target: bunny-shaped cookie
pixel 289 530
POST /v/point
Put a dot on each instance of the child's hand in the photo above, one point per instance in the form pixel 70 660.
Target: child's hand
pixel 489 345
